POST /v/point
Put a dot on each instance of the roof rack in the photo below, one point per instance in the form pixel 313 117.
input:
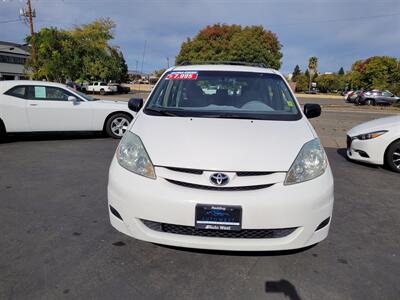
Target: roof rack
pixel 221 62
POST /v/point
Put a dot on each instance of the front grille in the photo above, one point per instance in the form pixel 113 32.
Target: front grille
pixel 217 188
pixel 348 142
pixel 200 172
pixel 184 170
pixel 243 174
pixel 242 234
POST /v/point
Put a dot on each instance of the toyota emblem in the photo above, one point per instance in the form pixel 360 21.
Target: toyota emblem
pixel 219 179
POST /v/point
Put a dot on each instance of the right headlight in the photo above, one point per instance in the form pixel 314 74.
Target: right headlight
pixel 132 156
pixel 310 163
pixel 371 135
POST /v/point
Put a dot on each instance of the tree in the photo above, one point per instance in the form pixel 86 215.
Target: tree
pixel 82 53
pixel 296 73
pixel 307 74
pixel 328 83
pixel 220 42
pixel 341 71
pixel 312 67
pixel 377 72
pixel 302 82
pixel 158 73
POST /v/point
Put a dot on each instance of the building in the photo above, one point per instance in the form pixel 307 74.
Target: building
pixel 12 61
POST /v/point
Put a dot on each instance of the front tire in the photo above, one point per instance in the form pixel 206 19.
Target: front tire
pixel 3 132
pixel 392 156
pixel 117 124
pixel 369 102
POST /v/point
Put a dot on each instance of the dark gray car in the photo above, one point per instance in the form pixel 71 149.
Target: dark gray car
pixel 377 97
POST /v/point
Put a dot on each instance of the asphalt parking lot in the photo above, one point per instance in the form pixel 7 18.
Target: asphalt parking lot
pixel 56 241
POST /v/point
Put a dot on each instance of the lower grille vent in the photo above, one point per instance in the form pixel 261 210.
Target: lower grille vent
pixel 242 234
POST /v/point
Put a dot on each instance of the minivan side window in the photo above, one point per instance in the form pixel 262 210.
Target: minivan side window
pixel 17 91
pixel 48 93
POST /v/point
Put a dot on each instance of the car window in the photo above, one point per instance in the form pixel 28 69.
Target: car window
pixel 17 91
pixel 387 94
pixel 224 94
pixel 48 93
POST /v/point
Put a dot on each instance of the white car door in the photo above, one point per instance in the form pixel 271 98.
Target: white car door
pixel 49 110
pixel 13 109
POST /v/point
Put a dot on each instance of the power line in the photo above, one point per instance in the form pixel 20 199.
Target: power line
pixel 9 21
pixel 337 20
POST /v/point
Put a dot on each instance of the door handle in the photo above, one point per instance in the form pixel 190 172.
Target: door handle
pixel 33 104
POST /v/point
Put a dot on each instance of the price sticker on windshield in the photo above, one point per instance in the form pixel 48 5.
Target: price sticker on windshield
pixel 182 76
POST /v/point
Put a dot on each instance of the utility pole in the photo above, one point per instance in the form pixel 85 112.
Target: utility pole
pixel 144 53
pixel 167 62
pixel 32 31
pixel 29 14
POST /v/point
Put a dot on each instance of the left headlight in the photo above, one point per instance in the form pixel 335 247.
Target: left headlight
pixel 132 156
pixel 310 163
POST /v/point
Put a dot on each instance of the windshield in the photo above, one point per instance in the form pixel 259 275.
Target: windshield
pixel 84 96
pixel 244 95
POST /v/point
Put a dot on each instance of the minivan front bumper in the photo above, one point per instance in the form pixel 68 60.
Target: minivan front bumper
pixel 137 202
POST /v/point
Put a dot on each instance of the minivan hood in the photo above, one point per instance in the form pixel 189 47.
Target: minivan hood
pixel 374 125
pixel 222 144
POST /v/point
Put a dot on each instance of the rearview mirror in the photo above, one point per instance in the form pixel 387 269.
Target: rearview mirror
pixel 135 104
pixel 312 110
pixel 73 99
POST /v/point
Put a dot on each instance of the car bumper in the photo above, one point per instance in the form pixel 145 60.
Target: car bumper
pixel 302 206
pixel 368 151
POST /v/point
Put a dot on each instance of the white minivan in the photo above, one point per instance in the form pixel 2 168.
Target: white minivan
pixel 222 157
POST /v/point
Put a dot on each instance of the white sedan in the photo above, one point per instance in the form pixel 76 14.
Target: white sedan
pixel 376 142
pixel 36 106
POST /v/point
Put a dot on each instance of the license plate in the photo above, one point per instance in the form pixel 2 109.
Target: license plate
pixel 218 217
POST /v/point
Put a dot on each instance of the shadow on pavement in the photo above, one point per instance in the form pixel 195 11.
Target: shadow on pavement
pixel 239 253
pixel 56 136
pixel 284 287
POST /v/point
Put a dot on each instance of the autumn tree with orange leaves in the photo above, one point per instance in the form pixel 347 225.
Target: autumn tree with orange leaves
pixel 220 42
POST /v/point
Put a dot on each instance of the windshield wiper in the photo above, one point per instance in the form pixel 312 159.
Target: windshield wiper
pixel 235 116
pixel 161 112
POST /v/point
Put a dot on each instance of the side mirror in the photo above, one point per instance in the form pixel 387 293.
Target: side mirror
pixel 73 99
pixel 135 104
pixel 312 110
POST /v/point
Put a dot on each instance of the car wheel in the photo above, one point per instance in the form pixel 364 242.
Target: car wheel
pixel 369 102
pixel 117 125
pixel 393 156
pixel 3 132
pixel 102 92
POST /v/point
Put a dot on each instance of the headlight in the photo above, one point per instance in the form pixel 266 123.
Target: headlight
pixel 371 135
pixel 132 156
pixel 310 163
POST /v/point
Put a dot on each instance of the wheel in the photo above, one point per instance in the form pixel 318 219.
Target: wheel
pixel 3 132
pixel 369 102
pixel 117 125
pixel 102 92
pixel 392 156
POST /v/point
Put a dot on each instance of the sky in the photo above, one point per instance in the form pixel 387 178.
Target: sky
pixel 338 32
